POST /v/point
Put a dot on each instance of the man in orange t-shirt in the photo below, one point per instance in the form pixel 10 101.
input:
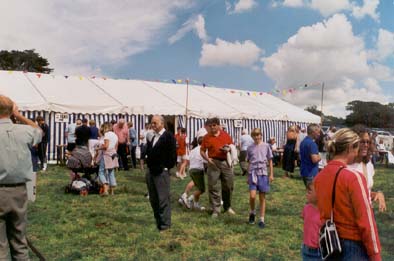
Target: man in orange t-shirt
pixel 219 172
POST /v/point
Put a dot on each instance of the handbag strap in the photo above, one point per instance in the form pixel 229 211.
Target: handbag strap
pixel 333 193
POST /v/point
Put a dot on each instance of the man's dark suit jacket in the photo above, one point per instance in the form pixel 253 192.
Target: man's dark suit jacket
pixel 162 155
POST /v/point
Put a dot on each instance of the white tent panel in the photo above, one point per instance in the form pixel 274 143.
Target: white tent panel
pixel 16 86
pixel 199 104
pixel 84 95
pixel 74 94
pixel 140 98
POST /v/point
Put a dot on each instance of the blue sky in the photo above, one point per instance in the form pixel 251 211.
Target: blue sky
pixel 238 44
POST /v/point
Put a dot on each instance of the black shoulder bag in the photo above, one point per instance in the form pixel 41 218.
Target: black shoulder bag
pixel 330 245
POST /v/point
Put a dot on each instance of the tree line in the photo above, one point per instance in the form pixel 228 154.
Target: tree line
pixel 369 113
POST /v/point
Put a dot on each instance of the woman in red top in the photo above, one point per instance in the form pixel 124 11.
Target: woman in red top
pixel 353 215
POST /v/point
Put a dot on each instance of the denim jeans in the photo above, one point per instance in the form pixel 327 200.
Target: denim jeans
pixel 310 254
pixel 106 176
pixel 352 250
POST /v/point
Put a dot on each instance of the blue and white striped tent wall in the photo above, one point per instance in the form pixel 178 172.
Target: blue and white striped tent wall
pixel 270 128
pixel 57 129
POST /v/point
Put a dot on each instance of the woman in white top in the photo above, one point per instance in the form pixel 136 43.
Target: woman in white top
pixel 364 165
pixel 108 158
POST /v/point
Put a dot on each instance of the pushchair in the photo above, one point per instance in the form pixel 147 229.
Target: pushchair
pixel 84 175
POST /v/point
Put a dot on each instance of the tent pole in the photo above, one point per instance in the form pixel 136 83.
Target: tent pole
pixel 187 103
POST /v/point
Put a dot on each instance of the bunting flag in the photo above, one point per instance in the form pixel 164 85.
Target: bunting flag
pixel 275 91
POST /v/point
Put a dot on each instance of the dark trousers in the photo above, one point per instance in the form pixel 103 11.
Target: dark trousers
pixel 159 197
pixel 242 161
pixel 133 157
pixel 13 221
pixel 123 155
pixel 42 152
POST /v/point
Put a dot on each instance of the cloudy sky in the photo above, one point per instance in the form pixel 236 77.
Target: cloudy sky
pixel 258 45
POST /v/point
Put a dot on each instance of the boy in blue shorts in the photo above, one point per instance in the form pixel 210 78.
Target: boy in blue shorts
pixel 259 155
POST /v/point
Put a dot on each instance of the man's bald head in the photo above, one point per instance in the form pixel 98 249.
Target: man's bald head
pixel 6 106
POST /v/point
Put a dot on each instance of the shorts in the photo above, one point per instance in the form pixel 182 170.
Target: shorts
pixel 263 184
pixel 197 176
pixel 179 159
pixel 307 180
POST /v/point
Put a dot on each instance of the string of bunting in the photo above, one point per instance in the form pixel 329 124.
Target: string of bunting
pixel 274 91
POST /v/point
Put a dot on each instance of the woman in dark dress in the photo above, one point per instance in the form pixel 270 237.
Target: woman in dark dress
pixel 289 153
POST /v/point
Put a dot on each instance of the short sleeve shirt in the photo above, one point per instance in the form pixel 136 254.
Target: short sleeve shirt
pixel 15 156
pixel 214 143
pixel 122 133
pixel 307 148
pixel 246 141
pixel 71 133
pixel 258 156
pixel 112 138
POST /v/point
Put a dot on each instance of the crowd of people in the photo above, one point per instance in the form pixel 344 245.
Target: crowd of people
pixel 341 159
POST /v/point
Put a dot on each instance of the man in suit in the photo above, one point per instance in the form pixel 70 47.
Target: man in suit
pixel 161 157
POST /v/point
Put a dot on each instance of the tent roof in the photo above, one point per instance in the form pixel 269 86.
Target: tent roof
pixel 75 94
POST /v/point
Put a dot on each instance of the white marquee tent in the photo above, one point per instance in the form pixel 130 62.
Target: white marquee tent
pixel 106 99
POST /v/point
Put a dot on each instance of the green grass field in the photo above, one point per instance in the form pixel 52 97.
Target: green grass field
pixel 121 227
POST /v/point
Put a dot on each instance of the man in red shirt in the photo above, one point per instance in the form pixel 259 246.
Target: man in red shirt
pixel 219 172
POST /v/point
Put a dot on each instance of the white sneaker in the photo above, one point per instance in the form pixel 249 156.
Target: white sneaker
pixel 183 200
pixel 230 211
pixel 197 206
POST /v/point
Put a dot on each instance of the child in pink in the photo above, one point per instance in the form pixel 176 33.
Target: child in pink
pixel 311 215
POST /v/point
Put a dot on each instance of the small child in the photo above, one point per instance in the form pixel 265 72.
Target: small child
pixel 311 215
pixel 196 171
pixel 259 154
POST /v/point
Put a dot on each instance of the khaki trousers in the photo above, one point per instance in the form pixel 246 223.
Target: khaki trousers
pixel 13 220
pixel 223 173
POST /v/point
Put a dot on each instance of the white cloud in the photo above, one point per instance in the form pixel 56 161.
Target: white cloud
pixel 293 3
pixel 221 53
pixel 241 6
pixel 74 36
pixel 195 23
pixel 384 45
pixel 327 8
pixel 367 9
pixel 327 52
pixel 330 7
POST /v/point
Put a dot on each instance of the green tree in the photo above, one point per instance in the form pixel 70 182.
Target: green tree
pixel 327 119
pixel 313 109
pixel 27 60
pixel 371 114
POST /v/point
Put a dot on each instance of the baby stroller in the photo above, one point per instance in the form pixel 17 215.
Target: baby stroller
pixel 82 180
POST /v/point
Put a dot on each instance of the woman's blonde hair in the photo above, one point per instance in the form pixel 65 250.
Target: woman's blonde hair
pixel 341 141
pixel 105 127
